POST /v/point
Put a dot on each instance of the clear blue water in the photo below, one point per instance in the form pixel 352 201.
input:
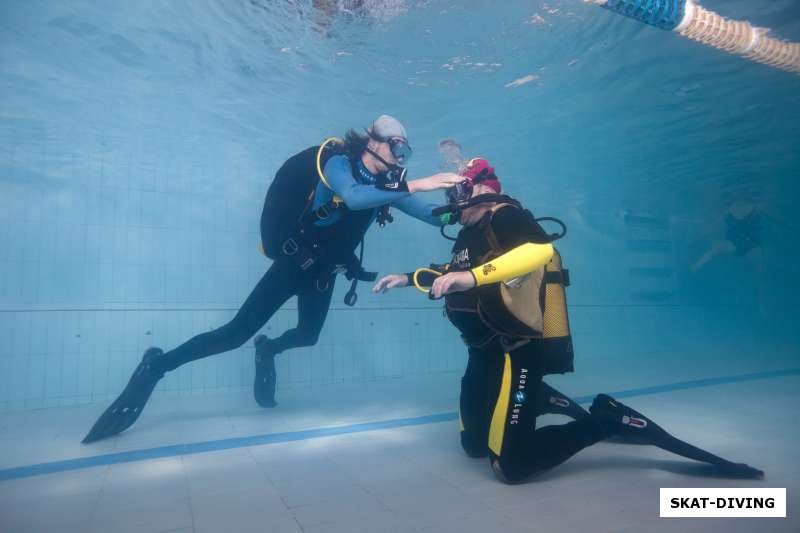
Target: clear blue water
pixel 137 141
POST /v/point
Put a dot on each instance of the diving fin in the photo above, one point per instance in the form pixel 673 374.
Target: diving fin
pixel 129 405
pixel 266 377
pixel 550 401
pixel 620 420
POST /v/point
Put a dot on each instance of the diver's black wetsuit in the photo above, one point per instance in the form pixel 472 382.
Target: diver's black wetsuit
pixel 501 388
pixel 335 244
pixel 335 238
pixel 282 281
pixel 330 236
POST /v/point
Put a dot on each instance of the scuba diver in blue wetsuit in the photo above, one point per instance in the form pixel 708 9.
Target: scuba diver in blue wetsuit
pixel 316 212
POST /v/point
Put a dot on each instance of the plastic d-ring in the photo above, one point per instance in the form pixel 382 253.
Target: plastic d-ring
pixel 350 298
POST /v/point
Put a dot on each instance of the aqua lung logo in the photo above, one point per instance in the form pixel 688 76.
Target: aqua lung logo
pixel 368 178
pixel 461 259
pixel 520 395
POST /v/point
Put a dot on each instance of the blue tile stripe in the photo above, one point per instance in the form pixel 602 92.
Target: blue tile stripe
pixel 273 438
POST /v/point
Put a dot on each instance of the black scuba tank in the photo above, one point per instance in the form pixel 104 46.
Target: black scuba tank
pixel 289 196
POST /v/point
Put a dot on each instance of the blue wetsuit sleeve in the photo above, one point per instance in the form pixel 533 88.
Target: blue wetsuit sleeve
pixel 355 195
pixel 419 209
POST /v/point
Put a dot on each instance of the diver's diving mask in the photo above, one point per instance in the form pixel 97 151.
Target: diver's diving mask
pixel 400 149
pixel 463 191
pixel 460 193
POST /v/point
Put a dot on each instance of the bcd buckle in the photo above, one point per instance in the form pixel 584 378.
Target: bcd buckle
pixel 290 247
pixel 322 212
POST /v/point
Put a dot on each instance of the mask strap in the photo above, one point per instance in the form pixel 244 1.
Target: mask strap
pixel 391 166
pixel 482 175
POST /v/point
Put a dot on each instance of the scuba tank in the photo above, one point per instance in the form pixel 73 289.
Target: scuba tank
pixel 291 194
pixel 288 217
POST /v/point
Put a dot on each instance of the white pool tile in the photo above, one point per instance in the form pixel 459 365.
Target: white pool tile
pixel 404 479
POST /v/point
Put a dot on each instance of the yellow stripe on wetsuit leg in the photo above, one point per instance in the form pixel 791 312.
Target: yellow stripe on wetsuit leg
pixel 517 262
pixel 497 427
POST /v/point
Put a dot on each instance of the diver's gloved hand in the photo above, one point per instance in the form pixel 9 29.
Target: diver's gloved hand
pixel 387 182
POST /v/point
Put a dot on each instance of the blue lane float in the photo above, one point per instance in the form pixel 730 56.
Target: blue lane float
pixel 691 20
pixel 664 14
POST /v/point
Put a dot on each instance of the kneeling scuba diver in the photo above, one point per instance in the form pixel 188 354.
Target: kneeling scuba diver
pixel 504 290
pixel 315 214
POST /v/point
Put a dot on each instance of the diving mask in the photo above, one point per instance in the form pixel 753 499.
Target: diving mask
pixel 399 147
pixel 460 193
pixel 401 150
pixel 463 191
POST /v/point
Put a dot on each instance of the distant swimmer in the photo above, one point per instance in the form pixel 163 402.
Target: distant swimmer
pixel 743 226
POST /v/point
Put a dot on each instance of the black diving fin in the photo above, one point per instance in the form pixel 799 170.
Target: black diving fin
pixel 266 377
pixel 619 419
pixel 129 405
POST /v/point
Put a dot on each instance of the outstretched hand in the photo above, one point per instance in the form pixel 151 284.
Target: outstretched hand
pixel 390 282
pixel 442 180
pixel 452 282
